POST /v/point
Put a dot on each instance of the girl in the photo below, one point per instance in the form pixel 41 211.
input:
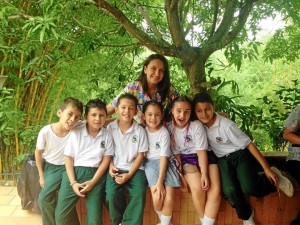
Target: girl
pixel 160 176
pixel 189 144
pixel 87 156
pixel 238 158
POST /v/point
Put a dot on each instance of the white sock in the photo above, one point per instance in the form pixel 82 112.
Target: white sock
pixel 208 221
pixel 201 220
pixel 165 220
pixel 158 213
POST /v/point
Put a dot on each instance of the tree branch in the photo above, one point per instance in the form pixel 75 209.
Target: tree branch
pixel 156 32
pixel 242 18
pixel 21 16
pixel 174 23
pixel 216 11
pixel 226 21
pixel 219 41
pixel 155 45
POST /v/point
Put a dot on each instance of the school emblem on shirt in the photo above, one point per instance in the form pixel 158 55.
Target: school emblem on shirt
pixel 102 144
pixel 218 139
pixel 135 138
pixel 188 138
pixel 157 145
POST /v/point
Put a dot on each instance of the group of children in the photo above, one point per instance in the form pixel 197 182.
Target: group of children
pixel 114 165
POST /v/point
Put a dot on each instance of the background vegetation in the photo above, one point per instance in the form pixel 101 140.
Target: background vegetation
pixel 53 49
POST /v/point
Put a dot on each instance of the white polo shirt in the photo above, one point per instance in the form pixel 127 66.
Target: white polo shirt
pixel 52 145
pixel 225 137
pixel 159 143
pixel 128 145
pixel 189 139
pixel 86 150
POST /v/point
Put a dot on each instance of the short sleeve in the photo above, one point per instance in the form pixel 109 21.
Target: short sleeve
pixel 143 144
pixel 41 139
pixel 110 144
pixel 238 137
pixel 71 145
pixel 293 120
pixel 165 143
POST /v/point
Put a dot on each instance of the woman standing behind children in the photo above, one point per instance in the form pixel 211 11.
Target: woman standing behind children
pixel 88 153
pixel 189 144
pixel 237 160
pixel 160 176
pixel 153 84
pixel 126 171
pixel 49 155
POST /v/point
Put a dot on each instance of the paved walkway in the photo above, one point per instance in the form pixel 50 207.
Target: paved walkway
pixel 11 212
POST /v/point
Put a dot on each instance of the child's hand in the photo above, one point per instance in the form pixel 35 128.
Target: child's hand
pixel 204 182
pixel 272 176
pixel 159 190
pixel 122 178
pixel 88 185
pixel 113 171
pixel 77 187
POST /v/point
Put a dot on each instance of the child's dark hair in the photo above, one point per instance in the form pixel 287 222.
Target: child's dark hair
pixel 164 85
pixel 182 98
pixel 73 102
pixel 153 103
pixel 95 103
pixel 127 96
pixel 203 97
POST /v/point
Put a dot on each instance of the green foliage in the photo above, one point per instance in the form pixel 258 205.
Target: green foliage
pixel 10 119
pixel 278 110
pixel 284 44
pixel 245 116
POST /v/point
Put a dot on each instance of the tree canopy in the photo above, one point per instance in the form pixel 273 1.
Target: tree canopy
pixel 192 30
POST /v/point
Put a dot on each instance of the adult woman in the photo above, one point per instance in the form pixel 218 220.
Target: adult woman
pixel 153 84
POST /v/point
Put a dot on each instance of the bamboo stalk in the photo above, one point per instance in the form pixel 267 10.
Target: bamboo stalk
pixel 31 103
pixel 5 58
pixel 54 108
pixel 45 96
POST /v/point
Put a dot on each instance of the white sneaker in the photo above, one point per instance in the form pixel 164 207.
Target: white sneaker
pixel 250 221
pixel 284 184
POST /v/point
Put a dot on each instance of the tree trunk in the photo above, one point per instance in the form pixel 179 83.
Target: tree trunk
pixel 194 67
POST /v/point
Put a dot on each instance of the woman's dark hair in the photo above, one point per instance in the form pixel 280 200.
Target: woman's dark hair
pixel 153 103
pixel 164 85
pixel 127 96
pixel 95 103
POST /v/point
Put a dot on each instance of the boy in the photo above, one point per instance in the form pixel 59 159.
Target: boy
pixel 87 157
pixel 49 155
pixel 126 170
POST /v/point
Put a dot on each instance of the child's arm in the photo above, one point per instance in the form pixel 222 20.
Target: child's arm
pixel 39 164
pixel 163 163
pixel 203 163
pixel 113 171
pixel 69 161
pixel 291 136
pixel 122 178
pixel 262 161
pixel 88 185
